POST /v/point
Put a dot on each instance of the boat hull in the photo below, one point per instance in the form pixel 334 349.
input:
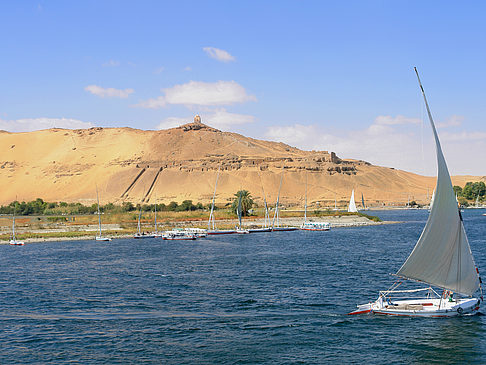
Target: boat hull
pixel 284 229
pixel 179 238
pixel 260 230
pixel 105 239
pixel 432 308
pixel 223 231
pixel 16 243
pixel 143 236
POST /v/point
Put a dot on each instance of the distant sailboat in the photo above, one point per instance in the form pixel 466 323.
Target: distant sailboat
pixel 441 258
pixel 352 204
pixel 364 207
pixel 312 226
pixel 265 227
pixel 211 222
pixel 156 231
pixel 140 234
pixel 14 241
pixel 276 215
pixel 100 237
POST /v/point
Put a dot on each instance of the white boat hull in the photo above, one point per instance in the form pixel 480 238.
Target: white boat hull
pixel 284 229
pixel 259 230
pixel 103 239
pixel 16 243
pixel 142 236
pixel 179 238
pixel 421 307
pixel 222 231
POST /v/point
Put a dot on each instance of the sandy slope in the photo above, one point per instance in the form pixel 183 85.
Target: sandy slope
pixel 182 163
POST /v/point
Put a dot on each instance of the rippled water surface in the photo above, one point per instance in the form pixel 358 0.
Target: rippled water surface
pixel 258 298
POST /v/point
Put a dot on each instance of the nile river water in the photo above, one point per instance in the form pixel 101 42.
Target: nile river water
pixel 237 299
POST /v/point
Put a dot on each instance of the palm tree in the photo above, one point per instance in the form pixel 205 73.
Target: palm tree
pixel 246 202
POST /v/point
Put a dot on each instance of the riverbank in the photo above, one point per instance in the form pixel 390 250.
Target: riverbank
pixel 116 231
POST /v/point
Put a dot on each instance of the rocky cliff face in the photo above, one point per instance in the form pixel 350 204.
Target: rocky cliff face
pixel 182 163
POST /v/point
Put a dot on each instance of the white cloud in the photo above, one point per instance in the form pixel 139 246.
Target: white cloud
pixel 111 63
pixel 34 124
pixel 399 119
pixel 200 93
pixel 408 148
pixel 463 136
pixel 187 68
pixel 222 119
pixel 296 135
pixel 159 70
pixel 108 92
pixel 172 122
pixel 453 121
pixel 218 54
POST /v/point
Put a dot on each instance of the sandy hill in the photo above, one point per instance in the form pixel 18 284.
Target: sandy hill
pixel 182 163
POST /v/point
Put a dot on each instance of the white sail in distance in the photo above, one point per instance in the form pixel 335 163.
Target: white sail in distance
pixel 352 204
pixel 442 256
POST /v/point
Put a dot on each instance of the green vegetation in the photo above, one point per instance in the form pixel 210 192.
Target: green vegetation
pixel 470 192
pixel 40 207
pixel 75 234
pixel 246 203
pixel 370 217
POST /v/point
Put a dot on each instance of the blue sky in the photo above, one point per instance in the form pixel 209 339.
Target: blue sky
pixel 315 74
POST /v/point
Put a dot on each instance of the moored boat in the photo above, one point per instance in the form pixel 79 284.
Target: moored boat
pixel 284 229
pixel 178 235
pixel 352 204
pixel 99 236
pixel 315 226
pixel 14 241
pixel 312 226
pixel 259 230
pixel 221 231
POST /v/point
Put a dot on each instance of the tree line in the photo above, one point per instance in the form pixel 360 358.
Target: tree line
pixel 40 207
pixel 471 190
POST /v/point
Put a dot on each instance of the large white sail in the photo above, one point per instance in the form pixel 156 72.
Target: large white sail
pixel 442 256
pixel 352 204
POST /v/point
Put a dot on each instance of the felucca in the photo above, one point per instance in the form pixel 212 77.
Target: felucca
pixel 441 258
pixel 276 215
pixel 352 204
pixel 212 220
pixel 312 226
pixel 140 234
pixel 100 237
pixel 14 241
pixel 265 227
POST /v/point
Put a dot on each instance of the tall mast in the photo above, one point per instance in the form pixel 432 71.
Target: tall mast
pixel 13 221
pixel 275 215
pixel 211 215
pixel 155 219
pixel 139 218
pixel 305 206
pixel 99 213
pixel 266 207
pixel 239 208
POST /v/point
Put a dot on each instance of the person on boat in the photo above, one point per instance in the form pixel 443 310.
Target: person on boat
pixel 451 296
